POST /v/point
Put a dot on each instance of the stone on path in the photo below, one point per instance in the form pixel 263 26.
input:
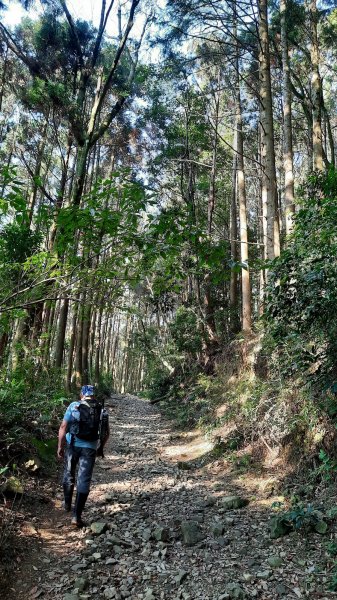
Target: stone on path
pixel 146 534
pixel 180 578
pixel 263 574
pixel 161 534
pixel 217 529
pixel 192 533
pixel 233 502
pixel 278 528
pixel 81 584
pixel 234 590
pixel 281 589
pixel 208 502
pixel 274 561
pixel 98 527
pixel 110 593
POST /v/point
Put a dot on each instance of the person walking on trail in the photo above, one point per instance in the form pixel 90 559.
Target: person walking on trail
pixel 84 431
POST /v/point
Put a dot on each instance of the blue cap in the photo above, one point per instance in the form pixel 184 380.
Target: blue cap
pixel 87 390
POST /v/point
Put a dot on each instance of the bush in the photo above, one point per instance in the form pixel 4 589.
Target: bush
pixel 31 407
pixel 302 292
pixel 185 331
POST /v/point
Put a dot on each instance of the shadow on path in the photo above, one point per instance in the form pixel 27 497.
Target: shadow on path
pixel 143 496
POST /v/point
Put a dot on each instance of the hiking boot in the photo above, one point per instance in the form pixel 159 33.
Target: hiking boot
pixel 78 509
pixel 68 496
pixel 78 523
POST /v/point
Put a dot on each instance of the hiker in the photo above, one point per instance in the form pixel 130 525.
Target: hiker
pixel 85 429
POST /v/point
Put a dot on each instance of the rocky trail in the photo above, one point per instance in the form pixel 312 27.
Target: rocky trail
pixel 163 524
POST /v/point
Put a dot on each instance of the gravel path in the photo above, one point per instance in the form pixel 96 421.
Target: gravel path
pixel 166 531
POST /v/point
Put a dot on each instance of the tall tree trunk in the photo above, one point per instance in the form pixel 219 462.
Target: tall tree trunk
pixel 37 323
pixel 114 361
pixel 332 158
pixel 98 346
pixel 37 170
pixel 72 347
pixel 287 124
pixel 233 290
pixel 3 346
pixel 45 335
pixel 93 333
pixel 103 343
pixel 125 353
pixel 208 296
pixel 48 329
pixel 3 77
pixel 17 350
pixel 111 342
pixel 316 87
pixel 260 226
pixel 85 343
pixel 61 333
pixel 269 187
pixel 241 187
pixel 79 343
pixel 62 190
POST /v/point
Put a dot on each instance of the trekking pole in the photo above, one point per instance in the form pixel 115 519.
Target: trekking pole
pixel 99 451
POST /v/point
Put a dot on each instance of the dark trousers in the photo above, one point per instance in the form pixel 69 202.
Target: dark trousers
pixel 85 459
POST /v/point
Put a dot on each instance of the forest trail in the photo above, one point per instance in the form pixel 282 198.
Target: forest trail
pixel 143 495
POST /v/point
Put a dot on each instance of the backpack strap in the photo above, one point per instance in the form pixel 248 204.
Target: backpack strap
pixel 72 435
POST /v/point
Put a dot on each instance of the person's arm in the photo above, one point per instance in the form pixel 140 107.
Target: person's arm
pixel 62 438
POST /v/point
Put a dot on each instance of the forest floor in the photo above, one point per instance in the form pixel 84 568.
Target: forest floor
pixel 156 492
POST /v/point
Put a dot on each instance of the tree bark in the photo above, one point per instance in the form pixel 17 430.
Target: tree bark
pixel 3 77
pixel 289 196
pixel 269 187
pixel 98 346
pixel 208 296
pixel 316 87
pixel 16 349
pixel 241 187
pixel 37 170
pixel 78 375
pixel 3 346
pixel 85 344
pixel 62 325
pixel 233 290
pixel 332 159
pixel 72 343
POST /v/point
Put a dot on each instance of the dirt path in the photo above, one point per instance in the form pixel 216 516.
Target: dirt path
pixel 144 497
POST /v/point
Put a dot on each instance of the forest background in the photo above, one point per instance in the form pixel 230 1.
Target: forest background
pixel 168 215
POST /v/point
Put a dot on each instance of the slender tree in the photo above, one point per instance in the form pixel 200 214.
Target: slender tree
pixel 287 124
pixel 269 187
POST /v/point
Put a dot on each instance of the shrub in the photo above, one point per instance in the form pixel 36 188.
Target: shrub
pixel 302 292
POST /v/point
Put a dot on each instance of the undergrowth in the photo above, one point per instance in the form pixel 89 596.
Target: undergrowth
pixel 240 406
pixel 277 387
pixel 31 406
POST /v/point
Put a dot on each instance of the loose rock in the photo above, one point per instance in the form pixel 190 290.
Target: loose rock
pixel 192 533
pixel 233 502
pixel 98 527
